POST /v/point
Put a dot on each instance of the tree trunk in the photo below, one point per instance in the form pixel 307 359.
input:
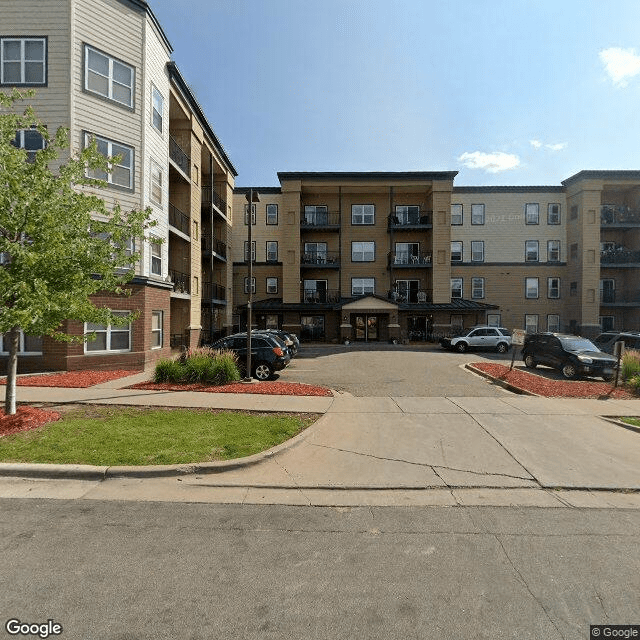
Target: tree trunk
pixel 12 369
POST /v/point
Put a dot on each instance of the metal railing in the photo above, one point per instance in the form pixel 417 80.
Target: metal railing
pixel 618 297
pixel 320 258
pixel 179 220
pixel 213 291
pixel 181 281
pixel 410 219
pixel 410 296
pixel 211 244
pixel 312 296
pixel 618 214
pixel 209 196
pixel 619 256
pixel 177 340
pixel 410 259
pixel 179 156
pixel 319 219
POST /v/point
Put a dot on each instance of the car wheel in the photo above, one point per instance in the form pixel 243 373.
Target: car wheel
pixel 569 371
pixel 461 347
pixel 262 371
pixel 503 347
pixel 530 362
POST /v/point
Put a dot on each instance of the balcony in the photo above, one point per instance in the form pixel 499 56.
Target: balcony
pixel 212 246
pixel 179 157
pixel 411 296
pixel 178 220
pixel 181 281
pixel 209 197
pixel 325 259
pixel 620 299
pixel 619 257
pixel 319 220
pixel 326 296
pixel 410 220
pixel 619 216
pixel 213 293
pixel 406 259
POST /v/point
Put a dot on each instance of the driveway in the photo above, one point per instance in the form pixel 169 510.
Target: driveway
pixel 392 370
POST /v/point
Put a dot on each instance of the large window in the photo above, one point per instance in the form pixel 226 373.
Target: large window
pixel 108 337
pixel 406 291
pixel 27 345
pixel 553 251
pixel 477 288
pixel 477 251
pixel 157 108
pixel 272 285
pixel 407 252
pixel 156 329
pixel 553 287
pixel 315 291
pixel 120 174
pixel 408 214
pixel 272 214
pixel 532 213
pixel 456 251
pixel 315 252
pixel 531 287
pixel 108 77
pixel 477 214
pixel 362 286
pixel 553 323
pixel 456 287
pixel 312 327
pixel 531 251
pixel 272 251
pixel 456 214
pixel 23 61
pixel 363 214
pixel 363 251
pixel 531 323
pixel 316 215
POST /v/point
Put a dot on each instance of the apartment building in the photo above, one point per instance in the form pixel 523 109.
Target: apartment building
pixel 102 69
pixel 379 256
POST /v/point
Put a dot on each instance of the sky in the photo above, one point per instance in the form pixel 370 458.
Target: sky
pixel 517 92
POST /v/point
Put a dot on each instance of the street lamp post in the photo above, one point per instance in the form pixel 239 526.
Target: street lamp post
pixel 252 197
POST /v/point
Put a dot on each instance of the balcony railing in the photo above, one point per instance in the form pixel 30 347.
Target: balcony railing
pixel 410 259
pixel 327 296
pixel 319 220
pixel 410 296
pixel 178 220
pixel 320 259
pixel 181 281
pixel 211 244
pixel 177 154
pixel 613 214
pixel 619 256
pixel 619 297
pixel 418 219
pixel 213 291
pixel 209 197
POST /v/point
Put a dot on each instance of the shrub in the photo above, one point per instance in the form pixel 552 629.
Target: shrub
pixel 196 367
pixel 199 365
pixel 630 365
pixel 634 382
pixel 224 368
pixel 168 371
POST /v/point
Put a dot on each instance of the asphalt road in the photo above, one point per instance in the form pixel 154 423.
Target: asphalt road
pixel 392 370
pixel 128 570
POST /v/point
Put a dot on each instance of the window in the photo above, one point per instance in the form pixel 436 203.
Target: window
pixel 531 251
pixel 477 288
pixel 362 214
pixel 408 214
pixel 363 251
pixel 246 214
pixel 272 285
pixel 156 180
pixel 477 214
pixel 553 287
pixel 108 337
pixel 253 250
pixel 553 214
pixel 156 329
pixel 23 61
pixel 477 251
pixel 532 213
pixel 272 214
pixel 494 319
pixel 573 289
pixel 406 290
pixel 312 327
pixel 108 77
pixel 531 323
pixel 315 252
pixel 553 323
pixel 456 252
pixel 553 251
pixel 156 257
pixel 271 322
pixel 157 108
pixel 607 290
pixel 531 287
pixel 315 291
pixel 272 251
pixel 407 253
pixel 607 323
pixel 27 345
pixel 253 285
pixel 316 215
pixel 362 286
pixel 456 287
pixel 120 174
pixel 31 140
pixel 456 214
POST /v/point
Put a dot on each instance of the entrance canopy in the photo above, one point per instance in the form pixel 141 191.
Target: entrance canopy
pixel 369 304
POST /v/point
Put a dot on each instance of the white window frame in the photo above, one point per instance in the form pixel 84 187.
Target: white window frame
pixel 155 258
pixel 477 288
pixel 271 214
pixel 529 288
pixel 21 343
pixel 477 214
pixel 455 243
pixel 474 252
pixel 111 81
pixel 89 137
pixel 23 62
pixel 157 332
pixel 246 214
pixel 553 250
pixel 454 282
pixel 156 96
pixel 494 319
pixel 407 252
pixel 253 284
pixel 108 330
pixel 553 287
pixel 363 286
pixel 529 247
pixel 361 250
pixel 156 180
pixel 532 213
pixel 457 214
pixel 553 323
pixel 246 251
pixel 363 214
pixel 272 284
pixel 531 321
pixel 271 255
pixel 553 213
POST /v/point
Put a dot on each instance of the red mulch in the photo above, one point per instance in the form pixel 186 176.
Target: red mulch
pixel 24 419
pixel 268 388
pixel 551 388
pixel 71 379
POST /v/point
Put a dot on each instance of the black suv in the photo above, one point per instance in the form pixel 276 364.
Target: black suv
pixel 290 339
pixel 606 341
pixel 572 355
pixel 268 353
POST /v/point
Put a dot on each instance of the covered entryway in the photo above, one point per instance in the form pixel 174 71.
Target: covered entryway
pixel 369 319
pixel 366 327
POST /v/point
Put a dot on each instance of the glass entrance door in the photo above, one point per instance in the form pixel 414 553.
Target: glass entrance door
pixel 366 327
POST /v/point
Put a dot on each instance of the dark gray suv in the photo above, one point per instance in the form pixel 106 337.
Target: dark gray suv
pixel 606 341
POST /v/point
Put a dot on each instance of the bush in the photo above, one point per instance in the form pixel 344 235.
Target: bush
pixel 199 365
pixel 168 371
pixel 224 368
pixel 634 382
pixel 196 367
pixel 630 365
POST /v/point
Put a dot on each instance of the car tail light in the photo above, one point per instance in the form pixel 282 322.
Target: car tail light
pixel 278 351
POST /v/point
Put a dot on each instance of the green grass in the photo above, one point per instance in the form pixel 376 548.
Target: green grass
pixel 140 436
pixel 633 421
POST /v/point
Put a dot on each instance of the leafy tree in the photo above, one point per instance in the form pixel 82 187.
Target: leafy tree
pixel 59 244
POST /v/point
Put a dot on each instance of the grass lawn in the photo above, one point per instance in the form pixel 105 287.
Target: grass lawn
pixel 634 421
pixel 142 436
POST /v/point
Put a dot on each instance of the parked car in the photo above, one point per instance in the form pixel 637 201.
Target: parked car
pixel 268 353
pixel 606 341
pixel 480 337
pixel 573 355
pixel 290 339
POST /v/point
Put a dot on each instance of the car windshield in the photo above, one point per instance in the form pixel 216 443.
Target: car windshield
pixel 578 344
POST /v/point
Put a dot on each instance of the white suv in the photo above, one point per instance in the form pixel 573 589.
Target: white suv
pixel 482 337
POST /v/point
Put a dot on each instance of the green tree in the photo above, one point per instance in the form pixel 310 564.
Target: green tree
pixel 59 244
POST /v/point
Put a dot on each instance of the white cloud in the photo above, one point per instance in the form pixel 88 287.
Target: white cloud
pixel 556 147
pixel 620 64
pixel 536 144
pixel 491 162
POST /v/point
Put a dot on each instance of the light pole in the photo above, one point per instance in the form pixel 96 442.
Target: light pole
pixel 252 197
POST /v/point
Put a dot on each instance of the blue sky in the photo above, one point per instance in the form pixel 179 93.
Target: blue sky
pixel 505 92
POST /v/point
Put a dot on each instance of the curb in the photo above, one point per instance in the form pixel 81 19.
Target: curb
pixel 501 383
pixel 620 423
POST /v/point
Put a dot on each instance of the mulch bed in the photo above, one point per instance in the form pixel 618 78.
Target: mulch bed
pixel 541 386
pixel 24 419
pixel 71 379
pixel 268 388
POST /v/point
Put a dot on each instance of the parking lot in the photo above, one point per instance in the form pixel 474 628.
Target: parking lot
pixel 392 370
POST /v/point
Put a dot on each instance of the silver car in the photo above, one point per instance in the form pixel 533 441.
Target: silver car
pixel 488 338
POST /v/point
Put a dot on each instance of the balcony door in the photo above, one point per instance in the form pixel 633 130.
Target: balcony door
pixel 607 290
